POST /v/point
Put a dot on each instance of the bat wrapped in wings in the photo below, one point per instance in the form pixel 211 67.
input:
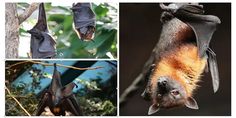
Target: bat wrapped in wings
pixel 84 21
pixel 181 56
pixel 59 99
pixel 42 44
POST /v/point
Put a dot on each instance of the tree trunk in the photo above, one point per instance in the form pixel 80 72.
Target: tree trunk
pixel 12 31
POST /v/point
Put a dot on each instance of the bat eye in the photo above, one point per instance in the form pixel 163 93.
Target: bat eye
pixel 175 92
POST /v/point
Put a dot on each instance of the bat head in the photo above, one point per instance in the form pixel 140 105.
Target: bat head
pixel 169 94
pixel 36 33
pixel 86 33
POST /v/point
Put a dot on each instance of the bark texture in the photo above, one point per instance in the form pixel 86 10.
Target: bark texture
pixel 12 31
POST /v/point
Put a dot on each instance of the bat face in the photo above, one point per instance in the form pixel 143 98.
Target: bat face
pixel 84 21
pixel 86 33
pixel 170 93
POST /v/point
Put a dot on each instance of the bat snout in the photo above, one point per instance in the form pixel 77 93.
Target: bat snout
pixel 162 82
pixel 162 85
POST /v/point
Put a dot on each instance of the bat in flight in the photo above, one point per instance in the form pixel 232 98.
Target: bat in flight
pixel 84 21
pixel 59 99
pixel 181 56
pixel 42 45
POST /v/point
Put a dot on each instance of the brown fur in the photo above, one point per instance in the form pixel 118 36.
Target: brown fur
pixel 182 64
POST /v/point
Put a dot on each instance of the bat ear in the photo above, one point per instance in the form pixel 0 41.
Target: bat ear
pixel 191 103
pixel 153 109
pixel 145 95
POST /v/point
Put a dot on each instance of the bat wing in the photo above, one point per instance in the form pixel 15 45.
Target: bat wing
pixel 42 104
pixel 47 47
pixel 213 69
pixel 70 103
pixel 56 86
pixel 203 26
pixel 42 19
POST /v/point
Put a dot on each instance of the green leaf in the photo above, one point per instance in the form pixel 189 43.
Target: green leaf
pixel 101 11
pixel 59 18
pixel 101 51
pixel 100 39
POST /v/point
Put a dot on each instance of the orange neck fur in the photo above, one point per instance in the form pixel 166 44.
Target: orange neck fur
pixel 182 64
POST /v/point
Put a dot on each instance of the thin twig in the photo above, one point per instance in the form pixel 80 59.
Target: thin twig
pixel 19 63
pixel 46 64
pixel 8 91
pixel 28 11
pixel 132 88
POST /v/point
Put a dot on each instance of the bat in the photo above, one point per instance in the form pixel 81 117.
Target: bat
pixel 42 44
pixel 59 99
pixel 84 21
pixel 181 56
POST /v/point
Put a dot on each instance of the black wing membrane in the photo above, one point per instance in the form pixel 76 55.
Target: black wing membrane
pixel 72 105
pixel 56 86
pixel 42 45
pixel 42 104
pixel 213 69
pixel 84 20
pixel 203 26
pixel 70 101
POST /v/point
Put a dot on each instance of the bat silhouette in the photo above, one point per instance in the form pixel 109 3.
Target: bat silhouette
pixel 59 99
pixel 42 45
pixel 84 21
pixel 181 56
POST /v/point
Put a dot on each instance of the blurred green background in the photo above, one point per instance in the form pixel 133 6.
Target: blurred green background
pixel 60 23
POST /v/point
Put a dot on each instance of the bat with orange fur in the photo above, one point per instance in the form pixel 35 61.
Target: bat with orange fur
pixel 181 56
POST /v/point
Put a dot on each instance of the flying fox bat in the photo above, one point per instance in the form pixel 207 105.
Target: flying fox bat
pixel 42 45
pixel 59 99
pixel 84 21
pixel 181 56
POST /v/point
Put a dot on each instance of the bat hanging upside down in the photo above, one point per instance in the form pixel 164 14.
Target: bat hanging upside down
pixel 42 44
pixel 181 56
pixel 84 21
pixel 59 99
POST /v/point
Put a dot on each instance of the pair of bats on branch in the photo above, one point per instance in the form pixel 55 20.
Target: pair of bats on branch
pixel 43 45
pixel 59 98
pixel 180 57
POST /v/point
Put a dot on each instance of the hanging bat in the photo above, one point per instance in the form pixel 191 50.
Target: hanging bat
pixel 59 99
pixel 181 56
pixel 42 45
pixel 84 21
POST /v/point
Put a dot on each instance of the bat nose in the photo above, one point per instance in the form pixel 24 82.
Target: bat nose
pixel 162 85
pixel 162 82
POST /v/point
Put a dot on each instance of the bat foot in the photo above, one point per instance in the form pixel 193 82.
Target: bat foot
pixel 166 16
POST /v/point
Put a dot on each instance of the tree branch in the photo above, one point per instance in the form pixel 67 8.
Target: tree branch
pixel 46 64
pixel 8 91
pixel 132 88
pixel 27 13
